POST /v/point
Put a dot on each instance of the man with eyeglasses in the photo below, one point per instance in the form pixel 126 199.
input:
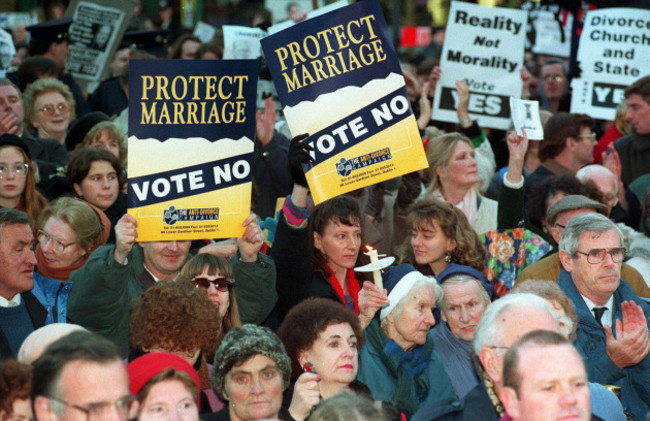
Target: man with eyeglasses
pixel 554 84
pixel 613 321
pixel 634 148
pixel 568 145
pixel 20 311
pixel 81 377
pixel 48 155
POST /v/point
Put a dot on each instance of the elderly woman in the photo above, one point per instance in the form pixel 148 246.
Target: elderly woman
pixel 49 109
pixel 176 318
pixel 15 391
pixel 166 386
pixel 440 235
pixel 464 300
pixel 213 274
pixel 68 230
pixel 97 178
pixel 251 371
pixel 323 340
pixel 17 177
pixel 397 362
pixel 454 178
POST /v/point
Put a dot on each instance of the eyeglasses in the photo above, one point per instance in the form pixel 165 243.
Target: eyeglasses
pixel 595 256
pixel 57 244
pixel 221 283
pixel 560 225
pixel 505 348
pixel 557 78
pixel 102 410
pixel 591 137
pixel 20 170
pixel 48 109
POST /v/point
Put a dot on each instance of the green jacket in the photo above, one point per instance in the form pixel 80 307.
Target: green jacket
pixel 104 292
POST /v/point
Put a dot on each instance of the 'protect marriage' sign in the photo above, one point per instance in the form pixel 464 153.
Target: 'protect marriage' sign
pixel 484 46
pixel 191 131
pixel 339 79
pixel 614 52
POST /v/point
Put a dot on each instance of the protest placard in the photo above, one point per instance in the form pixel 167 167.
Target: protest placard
pixel 241 42
pixel 549 29
pixel 311 14
pixel 339 79
pixel 614 51
pixel 95 33
pixel 191 131
pixel 204 32
pixel 484 46
pixel 525 114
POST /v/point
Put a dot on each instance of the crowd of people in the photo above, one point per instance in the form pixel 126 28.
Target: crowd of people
pixel 520 290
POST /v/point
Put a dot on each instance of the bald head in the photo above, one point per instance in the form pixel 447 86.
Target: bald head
pixel 604 180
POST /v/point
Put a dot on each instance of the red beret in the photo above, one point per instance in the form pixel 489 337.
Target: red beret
pixel 143 368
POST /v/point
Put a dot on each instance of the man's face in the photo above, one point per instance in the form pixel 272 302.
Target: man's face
pixel 10 102
pixel 87 383
pixel 17 260
pixel 596 281
pixel 638 114
pixel 608 186
pixel 553 81
pixel 165 258
pixel 553 385
pixel 585 144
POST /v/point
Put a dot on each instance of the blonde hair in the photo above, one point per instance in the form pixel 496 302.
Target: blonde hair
pixel 43 86
pixel 83 219
pixel 439 154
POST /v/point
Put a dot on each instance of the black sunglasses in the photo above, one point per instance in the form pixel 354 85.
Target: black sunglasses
pixel 221 284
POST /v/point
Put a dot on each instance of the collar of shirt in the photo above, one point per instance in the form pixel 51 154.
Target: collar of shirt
pixel 606 320
pixel 156 279
pixel 14 302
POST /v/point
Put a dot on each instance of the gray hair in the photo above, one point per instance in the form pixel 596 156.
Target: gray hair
pixel 489 329
pixel 461 279
pixel 589 222
pixel 419 285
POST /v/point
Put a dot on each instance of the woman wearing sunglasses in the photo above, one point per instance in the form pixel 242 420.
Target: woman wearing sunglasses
pixel 214 275
pixel 68 230
pixel 49 109
pixel 17 183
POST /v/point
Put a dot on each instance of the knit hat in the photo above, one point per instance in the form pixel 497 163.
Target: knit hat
pixel 398 281
pixel 456 269
pixel 573 202
pixel 143 368
pixel 243 343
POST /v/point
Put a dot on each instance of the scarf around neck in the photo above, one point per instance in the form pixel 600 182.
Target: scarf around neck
pixel 468 205
pixel 456 356
pixel 408 368
pixel 353 287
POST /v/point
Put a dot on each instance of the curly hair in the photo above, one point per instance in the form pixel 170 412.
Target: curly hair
pixel 33 200
pixel 113 131
pixel 453 223
pixel 216 265
pixel 307 320
pixel 81 218
pixel 439 153
pixel 15 384
pixel 174 316
pixel 343 209
pixel 82 159
pixel 43 86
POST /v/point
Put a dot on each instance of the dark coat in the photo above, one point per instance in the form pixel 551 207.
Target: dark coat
pixel 37 313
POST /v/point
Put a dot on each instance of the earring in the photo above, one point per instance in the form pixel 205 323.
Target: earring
pixel 448 258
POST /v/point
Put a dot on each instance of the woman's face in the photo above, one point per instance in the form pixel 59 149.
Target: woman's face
pixel 334 354
pixel 221 299
pixel 430 244
pixel 411 327
pixel 21 411
pixel 51 114
pixel 339 244
pixel 254 389
pixel 169 400
pixel 59 244
pixel 100 186
pixel 462 171
pixel 12 182
pixel 464 306
pixel 108 142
